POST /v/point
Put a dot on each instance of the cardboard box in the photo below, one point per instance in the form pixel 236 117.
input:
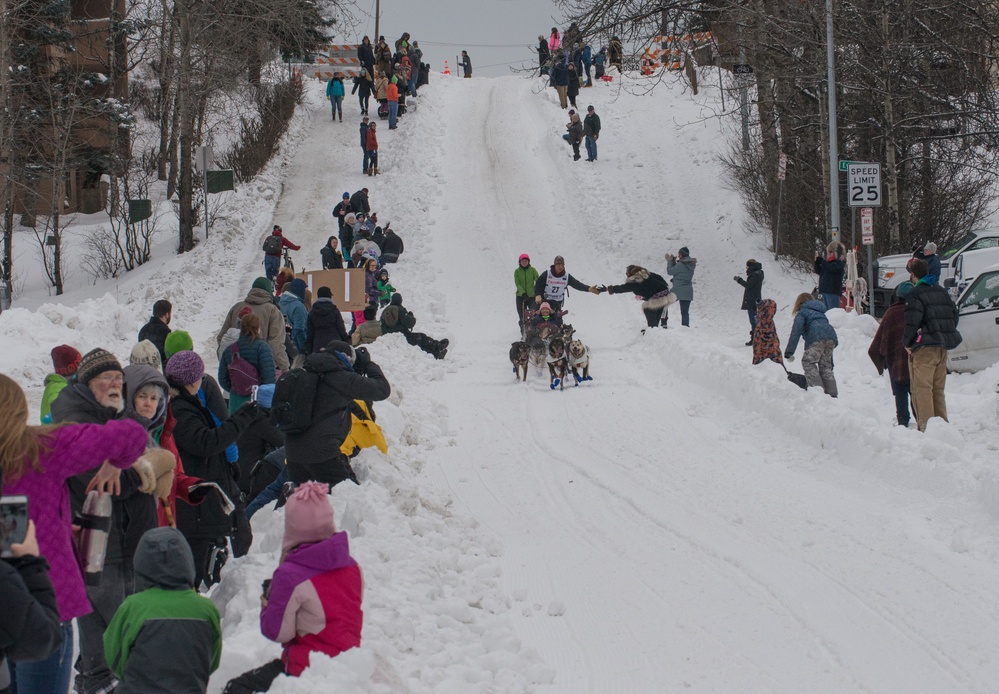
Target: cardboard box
pixel 347 286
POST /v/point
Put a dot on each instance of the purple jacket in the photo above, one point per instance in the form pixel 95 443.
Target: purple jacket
pixel 72 449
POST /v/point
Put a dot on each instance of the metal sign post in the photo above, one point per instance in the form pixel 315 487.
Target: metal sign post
pixel 205 159
pixel 867 236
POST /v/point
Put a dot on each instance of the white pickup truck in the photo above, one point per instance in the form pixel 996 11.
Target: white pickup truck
pixel 978 324
pixel 960 263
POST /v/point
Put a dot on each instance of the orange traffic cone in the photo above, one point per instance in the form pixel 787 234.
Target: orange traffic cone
pixel 447 70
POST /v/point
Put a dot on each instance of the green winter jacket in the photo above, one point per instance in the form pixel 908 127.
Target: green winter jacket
pixel 524 278
pixel 54 383
pixel 591 125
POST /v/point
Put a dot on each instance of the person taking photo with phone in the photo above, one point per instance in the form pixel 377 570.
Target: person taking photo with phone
pixel 37 462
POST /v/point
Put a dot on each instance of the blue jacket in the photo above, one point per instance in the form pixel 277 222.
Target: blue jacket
pixel 682 271
pixel 810 323
pixel 335 87
pixel 294 312
pixel 258 353
pixel 587 55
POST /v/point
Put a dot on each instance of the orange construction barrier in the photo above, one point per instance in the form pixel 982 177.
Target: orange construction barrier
pixel 447 70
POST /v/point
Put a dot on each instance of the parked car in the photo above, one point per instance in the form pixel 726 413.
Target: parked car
pixel 978 308
pixel 960 263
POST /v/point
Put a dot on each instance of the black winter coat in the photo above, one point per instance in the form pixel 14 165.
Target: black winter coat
pixel 256 442
pixel 930 318
pixel 359 202
pixel 155 331
pixel 132 512
pixel 393 244
pixel 325 323
pixel 315 453
pixel 830 274
pixel 560 74
pixel 332 260
pixel 645 290
pixel 342 209
pixel 30 629
pixel 202 446
pixel 753 286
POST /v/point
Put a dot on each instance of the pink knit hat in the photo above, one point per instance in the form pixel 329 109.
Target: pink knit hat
pixel 309 516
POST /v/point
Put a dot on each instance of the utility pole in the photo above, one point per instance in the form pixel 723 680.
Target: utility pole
pixel 378 16
pixel 833 140
pixel 743 89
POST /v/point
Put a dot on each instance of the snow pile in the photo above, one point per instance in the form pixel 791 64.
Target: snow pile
pixel 435 612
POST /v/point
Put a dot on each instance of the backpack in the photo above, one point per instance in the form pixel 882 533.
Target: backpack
pixel 242 374
pixel 272 245
pixel 390 316
pixel 294 396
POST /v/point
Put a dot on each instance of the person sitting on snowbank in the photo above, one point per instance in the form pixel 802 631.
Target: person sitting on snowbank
pixel 397 319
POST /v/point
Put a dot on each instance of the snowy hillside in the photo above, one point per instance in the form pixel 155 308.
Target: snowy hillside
pixel 685 521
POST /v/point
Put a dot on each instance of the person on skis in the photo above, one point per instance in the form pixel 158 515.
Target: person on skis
pixel 553 282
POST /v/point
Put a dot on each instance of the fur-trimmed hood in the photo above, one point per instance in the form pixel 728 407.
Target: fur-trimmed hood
pixel 640 274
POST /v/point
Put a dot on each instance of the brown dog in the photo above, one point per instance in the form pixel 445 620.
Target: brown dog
pixel 557 365
pixel 518 357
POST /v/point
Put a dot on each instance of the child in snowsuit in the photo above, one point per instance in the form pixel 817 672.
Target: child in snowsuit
pixel 313 601
pixel 168 618
pixel 385 290
pixel 820 340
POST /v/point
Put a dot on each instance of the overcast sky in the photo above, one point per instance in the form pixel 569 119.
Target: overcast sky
pixel 498 34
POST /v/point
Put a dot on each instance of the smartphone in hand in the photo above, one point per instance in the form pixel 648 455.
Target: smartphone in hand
pixel 13 523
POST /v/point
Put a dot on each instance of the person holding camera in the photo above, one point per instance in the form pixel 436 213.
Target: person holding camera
pixel 752 293
pixel 681 268
pixel 37 462
pixel 345 374
pixel 31 629
pixel 312 603
pixel 830 270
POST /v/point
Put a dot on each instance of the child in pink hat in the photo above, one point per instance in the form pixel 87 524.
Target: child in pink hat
pixel 313 601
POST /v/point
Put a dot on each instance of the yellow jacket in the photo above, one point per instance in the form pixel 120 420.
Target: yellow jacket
pixel 364 433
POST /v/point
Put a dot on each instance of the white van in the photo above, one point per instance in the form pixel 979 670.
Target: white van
pixel 978 323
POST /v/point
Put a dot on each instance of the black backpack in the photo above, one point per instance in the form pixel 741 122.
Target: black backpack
pixel 272 245
pixel 294 398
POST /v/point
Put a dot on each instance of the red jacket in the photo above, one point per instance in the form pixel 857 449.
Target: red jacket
pixel 285 243
pixel 372 140
pixel 392 92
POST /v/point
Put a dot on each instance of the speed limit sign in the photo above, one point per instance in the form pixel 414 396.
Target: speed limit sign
pixel 864 184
